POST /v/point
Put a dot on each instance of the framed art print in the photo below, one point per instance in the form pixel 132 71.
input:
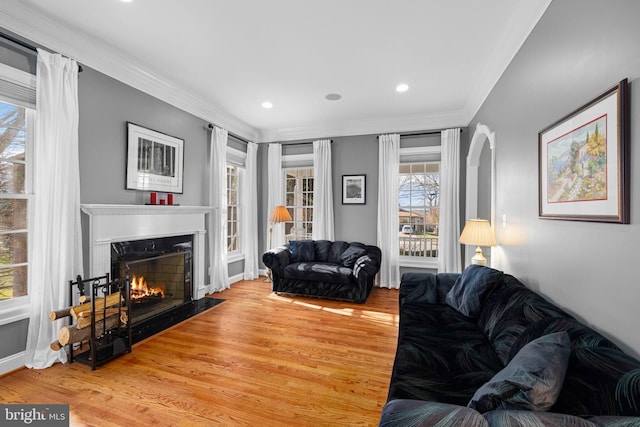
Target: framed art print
pixel 154 160
pixel 354 189
pixel 583 162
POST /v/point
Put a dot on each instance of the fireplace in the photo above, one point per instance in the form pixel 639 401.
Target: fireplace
pixel 159 270
pixel 145 237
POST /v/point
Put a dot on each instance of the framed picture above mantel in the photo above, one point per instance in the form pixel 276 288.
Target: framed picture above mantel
pixel 155 160
pixel 583 162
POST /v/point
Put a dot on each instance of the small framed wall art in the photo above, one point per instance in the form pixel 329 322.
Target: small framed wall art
pixel 354 189
pixel 583 162
pixel 155 161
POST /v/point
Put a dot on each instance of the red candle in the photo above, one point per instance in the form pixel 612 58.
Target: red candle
pixel 169 199
pixel 154 198
pixel 163 202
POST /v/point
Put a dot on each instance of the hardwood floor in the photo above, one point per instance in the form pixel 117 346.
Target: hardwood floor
pixel 257 359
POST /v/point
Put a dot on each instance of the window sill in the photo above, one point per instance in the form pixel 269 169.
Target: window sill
pixel 14 311
pixel 235 257
pixel 417 262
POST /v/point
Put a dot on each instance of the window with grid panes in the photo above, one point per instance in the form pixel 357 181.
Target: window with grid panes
pixel 233 217
pixel 419 209
pixel 299 202
pixel 15 198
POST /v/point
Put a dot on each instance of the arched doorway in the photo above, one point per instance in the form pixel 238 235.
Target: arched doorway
pixel 476 168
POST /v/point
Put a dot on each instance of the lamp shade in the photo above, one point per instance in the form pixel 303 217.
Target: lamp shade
pixel 477 232
pixel 280 214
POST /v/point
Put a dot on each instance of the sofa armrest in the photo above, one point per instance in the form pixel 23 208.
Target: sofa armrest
pixel 426 288
pixel 368 265
pixel 276 259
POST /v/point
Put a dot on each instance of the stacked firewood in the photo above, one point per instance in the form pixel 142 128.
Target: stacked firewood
pixel 109 315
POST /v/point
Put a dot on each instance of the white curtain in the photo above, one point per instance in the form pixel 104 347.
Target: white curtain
pixel 388 171
pixel 449 251
pixel 249 213
pixel 323 228
pixel 276 194
pixel 218 215
pixel 56 255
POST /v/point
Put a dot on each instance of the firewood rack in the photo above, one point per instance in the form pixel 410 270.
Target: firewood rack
pixel 109 338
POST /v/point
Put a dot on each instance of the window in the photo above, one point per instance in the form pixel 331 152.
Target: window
pixel 15 200
pixel 419 210
pixel 299 202
pixel 233 218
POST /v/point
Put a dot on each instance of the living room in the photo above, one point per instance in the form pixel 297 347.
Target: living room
pixel 576 51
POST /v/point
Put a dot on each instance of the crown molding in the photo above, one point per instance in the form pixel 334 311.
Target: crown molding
pixel 515 34
pixel 107 59
pixel 373 125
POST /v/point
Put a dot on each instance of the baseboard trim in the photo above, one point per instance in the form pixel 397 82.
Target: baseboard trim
pixel 11 363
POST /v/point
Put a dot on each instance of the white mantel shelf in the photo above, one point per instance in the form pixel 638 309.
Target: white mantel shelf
pixel 102 209
pixel 120 223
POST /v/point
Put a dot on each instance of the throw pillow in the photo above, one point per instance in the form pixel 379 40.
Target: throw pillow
pixel 302 250
pixel 468 292
pixel 352 253
pixel 531 381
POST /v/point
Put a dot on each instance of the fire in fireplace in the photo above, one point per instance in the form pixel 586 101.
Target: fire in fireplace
pixel 160 272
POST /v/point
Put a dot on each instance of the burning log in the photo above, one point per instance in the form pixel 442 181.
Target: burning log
pixel 109 301
pixel 71 334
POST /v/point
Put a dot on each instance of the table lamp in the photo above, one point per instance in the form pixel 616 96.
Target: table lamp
pixel 478 232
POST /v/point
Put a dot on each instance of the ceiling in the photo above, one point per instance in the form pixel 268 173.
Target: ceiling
pixel 219 60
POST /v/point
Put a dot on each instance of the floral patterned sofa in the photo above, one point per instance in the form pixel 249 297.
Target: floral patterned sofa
pixel 481 349
pixel 325 269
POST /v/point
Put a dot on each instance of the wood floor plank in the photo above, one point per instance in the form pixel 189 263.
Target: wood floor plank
pixel 256 359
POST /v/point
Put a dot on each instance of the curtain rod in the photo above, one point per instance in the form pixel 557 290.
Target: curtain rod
pixel 26 45
pixel 284 144
pixel 431 132
pixel 233 135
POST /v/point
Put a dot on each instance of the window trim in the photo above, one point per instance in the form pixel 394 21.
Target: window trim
pixel 19 308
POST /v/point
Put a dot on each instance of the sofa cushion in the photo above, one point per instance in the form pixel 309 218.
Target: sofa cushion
pixel 470 288
pixel 508 310
pixel 600 380
pixel 532 380
pixel 322 248
pixel 419 413
pixel 302 250
pixel 318 272
pixel 335 252
pixel 441 355
pixel 502 418
pixel 352 253
pixel 580 335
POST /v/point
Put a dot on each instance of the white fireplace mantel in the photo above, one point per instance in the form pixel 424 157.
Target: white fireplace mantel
pixel 120 223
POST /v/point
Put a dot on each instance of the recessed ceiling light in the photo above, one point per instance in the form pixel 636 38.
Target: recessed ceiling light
pixel 333 96
pixel 126 1
pixel 267 105
pixel 402 87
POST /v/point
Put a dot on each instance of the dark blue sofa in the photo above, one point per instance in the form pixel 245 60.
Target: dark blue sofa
pixel 451 359
pixel 322 268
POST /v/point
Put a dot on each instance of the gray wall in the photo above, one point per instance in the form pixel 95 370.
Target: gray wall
pixel 353 155
pixel 579 49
